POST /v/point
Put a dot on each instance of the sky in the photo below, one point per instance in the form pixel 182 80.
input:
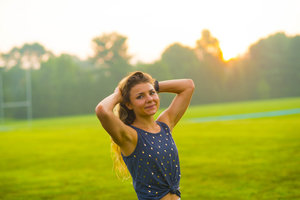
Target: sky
pixel 68 26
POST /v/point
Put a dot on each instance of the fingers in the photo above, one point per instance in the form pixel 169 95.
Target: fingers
pixel 117 89
pixel 118 94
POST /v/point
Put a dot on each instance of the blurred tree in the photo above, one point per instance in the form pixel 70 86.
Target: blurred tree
pixel 28 56
pixel 235 84
pixel 209 53
pixel 275 61
pixel 180 61
pixel 208 44
pixel 292 76
pixel 66 85
pixel 156 69
pixel 55 86
pixel 110 53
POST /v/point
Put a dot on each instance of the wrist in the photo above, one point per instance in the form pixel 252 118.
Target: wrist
pixel 117 95
pixel 156 86
pixel 118 98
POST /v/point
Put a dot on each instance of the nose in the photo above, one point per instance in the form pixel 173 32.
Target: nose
pixel 149 98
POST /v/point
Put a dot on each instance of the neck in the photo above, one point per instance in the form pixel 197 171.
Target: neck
pixel 147 123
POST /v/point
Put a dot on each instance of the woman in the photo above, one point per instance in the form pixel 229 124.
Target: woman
pixel 143 143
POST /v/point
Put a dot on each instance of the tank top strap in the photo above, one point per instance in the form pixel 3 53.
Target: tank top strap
pixel 164 125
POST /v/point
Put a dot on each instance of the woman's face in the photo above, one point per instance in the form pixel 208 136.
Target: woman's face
pixel 144 100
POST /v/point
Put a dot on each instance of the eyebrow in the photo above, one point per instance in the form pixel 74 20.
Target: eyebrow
pixel 143 92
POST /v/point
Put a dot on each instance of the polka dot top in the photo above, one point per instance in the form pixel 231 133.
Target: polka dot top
pixel 154 164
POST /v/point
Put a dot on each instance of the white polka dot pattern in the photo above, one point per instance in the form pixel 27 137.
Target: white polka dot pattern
pixel 154 164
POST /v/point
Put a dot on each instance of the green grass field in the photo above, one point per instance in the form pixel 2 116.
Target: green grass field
pixel 69 158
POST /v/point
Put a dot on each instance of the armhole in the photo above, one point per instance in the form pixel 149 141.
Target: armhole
pixel 137 143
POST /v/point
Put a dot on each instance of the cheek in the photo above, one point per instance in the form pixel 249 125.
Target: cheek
pixel 156 98
pixel 138 103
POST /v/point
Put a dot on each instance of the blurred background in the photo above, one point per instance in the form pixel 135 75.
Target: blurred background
pixel 59 58
pixel 77 51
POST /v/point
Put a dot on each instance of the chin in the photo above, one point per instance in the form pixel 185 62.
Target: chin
pixel 151 112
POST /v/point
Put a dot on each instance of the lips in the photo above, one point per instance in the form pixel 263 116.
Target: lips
pixel 150 107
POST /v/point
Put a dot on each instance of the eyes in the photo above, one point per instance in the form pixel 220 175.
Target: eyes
pixel 151 93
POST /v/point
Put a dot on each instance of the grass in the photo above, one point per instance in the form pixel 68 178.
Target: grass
pixel 69 158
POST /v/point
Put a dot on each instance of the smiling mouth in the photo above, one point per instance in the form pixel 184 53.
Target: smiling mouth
pixel 149 107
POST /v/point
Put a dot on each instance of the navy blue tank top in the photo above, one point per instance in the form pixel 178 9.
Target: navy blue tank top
pixel 154 164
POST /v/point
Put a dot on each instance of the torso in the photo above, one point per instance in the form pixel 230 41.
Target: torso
pixel 154 164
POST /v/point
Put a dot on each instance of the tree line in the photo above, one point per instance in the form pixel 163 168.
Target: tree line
pixel 66 85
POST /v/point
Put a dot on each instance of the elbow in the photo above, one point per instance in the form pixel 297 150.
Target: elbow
pixel 191 84
pixel 100 110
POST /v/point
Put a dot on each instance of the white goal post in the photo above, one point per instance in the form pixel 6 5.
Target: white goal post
pixel 16 104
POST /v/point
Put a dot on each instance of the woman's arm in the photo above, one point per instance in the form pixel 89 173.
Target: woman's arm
pixel 184 89
pixel 120 133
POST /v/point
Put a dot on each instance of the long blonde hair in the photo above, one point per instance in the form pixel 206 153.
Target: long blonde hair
pixel 127 116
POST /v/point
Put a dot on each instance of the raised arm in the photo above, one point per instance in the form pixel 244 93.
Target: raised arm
pixel 184 89
pixel 120 133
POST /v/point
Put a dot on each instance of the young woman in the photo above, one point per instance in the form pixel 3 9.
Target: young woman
pixel 143 143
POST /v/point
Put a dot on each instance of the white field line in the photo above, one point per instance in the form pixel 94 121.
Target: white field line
pixel 246 116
